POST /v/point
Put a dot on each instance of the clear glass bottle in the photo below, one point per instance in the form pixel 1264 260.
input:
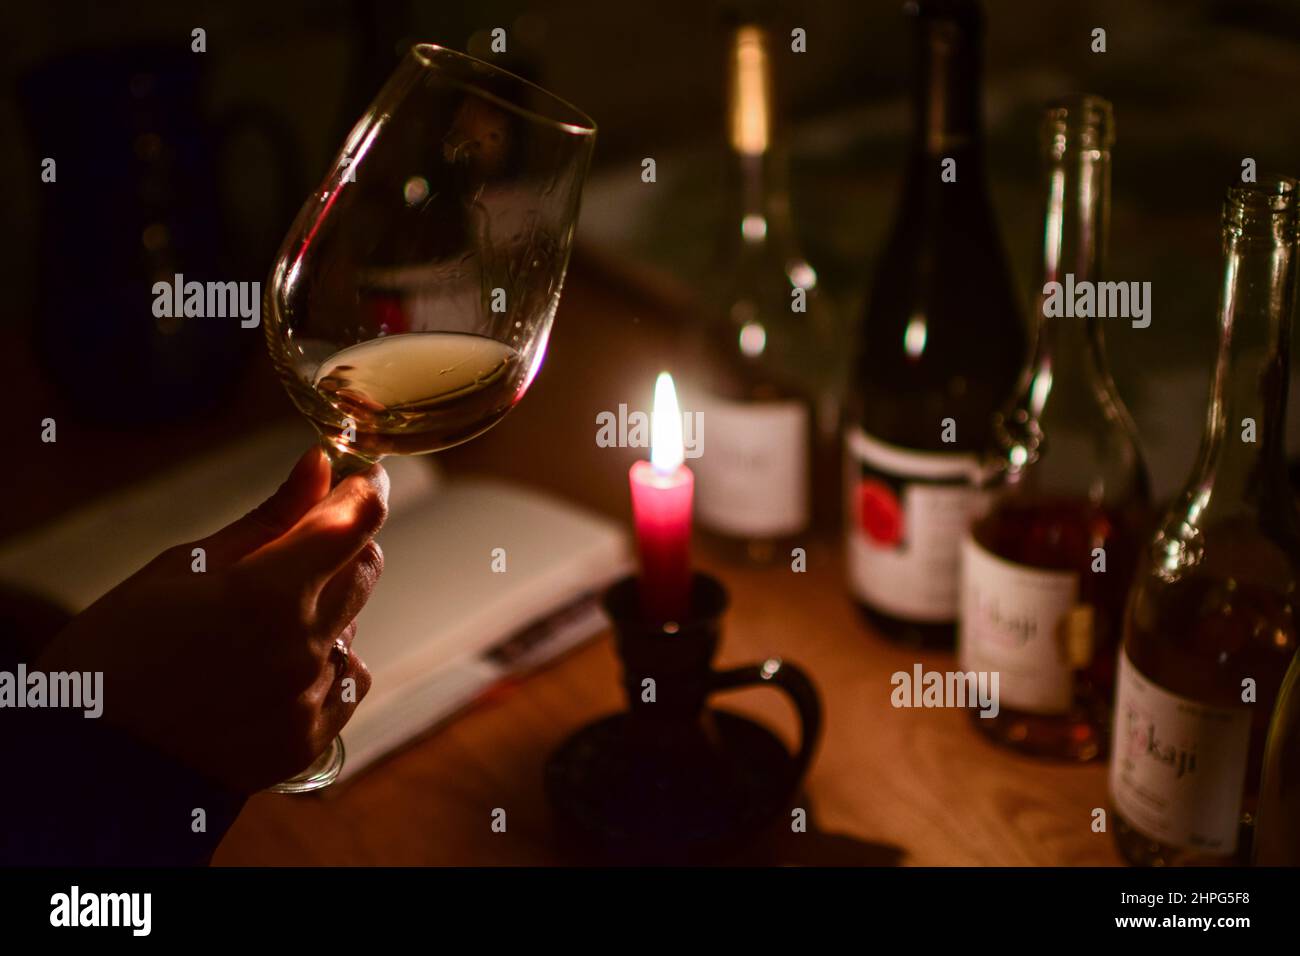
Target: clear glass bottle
pixel 1211 621
pixel 764 316
pixel 1046 567
pixel 941 338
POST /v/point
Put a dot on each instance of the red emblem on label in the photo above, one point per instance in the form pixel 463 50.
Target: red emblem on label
pixel 880 513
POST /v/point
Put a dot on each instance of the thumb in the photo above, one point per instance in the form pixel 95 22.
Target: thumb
pixel 307 484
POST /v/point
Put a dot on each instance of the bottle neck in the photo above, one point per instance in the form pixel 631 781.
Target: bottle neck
pixel 758 206
pixel 1253 368
pixel 946 118
pixel 1067 391
pixel 1075 227
pixel 758 186
pixel 946 89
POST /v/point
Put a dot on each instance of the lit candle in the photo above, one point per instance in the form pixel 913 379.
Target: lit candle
pixel 662 489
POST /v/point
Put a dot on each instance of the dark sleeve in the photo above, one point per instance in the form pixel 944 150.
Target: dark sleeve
pixel 76 791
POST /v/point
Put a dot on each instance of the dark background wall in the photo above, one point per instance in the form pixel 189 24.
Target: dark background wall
pixel 1197 85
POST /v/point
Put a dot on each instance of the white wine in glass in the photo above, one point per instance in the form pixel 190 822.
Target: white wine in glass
pixel 416 392
pixel 410 304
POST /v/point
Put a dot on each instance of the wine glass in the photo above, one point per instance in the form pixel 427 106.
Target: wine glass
pixel 410 304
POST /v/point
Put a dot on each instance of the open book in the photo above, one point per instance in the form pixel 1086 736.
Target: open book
pixel 482 579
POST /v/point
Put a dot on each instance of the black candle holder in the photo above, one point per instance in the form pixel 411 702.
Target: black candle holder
pixel 671 777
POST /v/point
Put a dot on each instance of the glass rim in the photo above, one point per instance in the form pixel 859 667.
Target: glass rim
pixel 1275 192
pixel 579 123
pixel 1268 208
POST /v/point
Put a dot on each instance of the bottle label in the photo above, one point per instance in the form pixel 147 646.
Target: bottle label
pixel 905 513
pixel 752 478
pixel 1020 621
pixel 1178 767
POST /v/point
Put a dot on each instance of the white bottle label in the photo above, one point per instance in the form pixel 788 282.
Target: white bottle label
pixel 905 514
pixel 1177 767
pixel 1016 620
pixel 752 477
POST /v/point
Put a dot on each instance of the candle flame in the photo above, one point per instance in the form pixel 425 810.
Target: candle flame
pixel 666 451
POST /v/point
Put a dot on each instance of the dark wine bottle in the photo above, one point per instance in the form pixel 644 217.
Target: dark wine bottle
pixel 940 344
pixel 1211 621
pixel 1047 566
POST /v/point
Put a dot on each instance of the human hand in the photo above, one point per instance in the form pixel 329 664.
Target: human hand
pixel 232 671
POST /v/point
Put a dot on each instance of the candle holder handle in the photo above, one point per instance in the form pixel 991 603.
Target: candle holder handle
pixel 671 778
pixel 796 685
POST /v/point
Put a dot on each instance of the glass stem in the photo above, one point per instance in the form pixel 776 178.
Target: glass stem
pixel 344 462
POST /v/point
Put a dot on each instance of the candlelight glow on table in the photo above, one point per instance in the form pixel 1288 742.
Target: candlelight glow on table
pixel 662 490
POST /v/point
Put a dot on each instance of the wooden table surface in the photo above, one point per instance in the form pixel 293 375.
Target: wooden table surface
pixel 887 786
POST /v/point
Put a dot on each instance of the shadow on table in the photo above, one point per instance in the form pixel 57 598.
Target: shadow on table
pixel 778 844
pixel 781 845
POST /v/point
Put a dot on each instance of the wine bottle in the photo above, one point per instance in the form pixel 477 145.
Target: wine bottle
pixel 939 347
pixel 1065 494
pixel 1211 621
pixel 1277 839
pixel 752 478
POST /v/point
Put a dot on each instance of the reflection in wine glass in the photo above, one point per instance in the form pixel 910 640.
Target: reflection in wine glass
pixel 410 304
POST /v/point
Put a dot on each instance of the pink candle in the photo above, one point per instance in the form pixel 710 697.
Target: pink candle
pixel 662 489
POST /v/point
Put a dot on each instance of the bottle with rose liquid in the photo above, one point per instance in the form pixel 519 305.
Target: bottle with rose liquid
pixel 940 345
pixel 1211 622
pixel 1047 565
